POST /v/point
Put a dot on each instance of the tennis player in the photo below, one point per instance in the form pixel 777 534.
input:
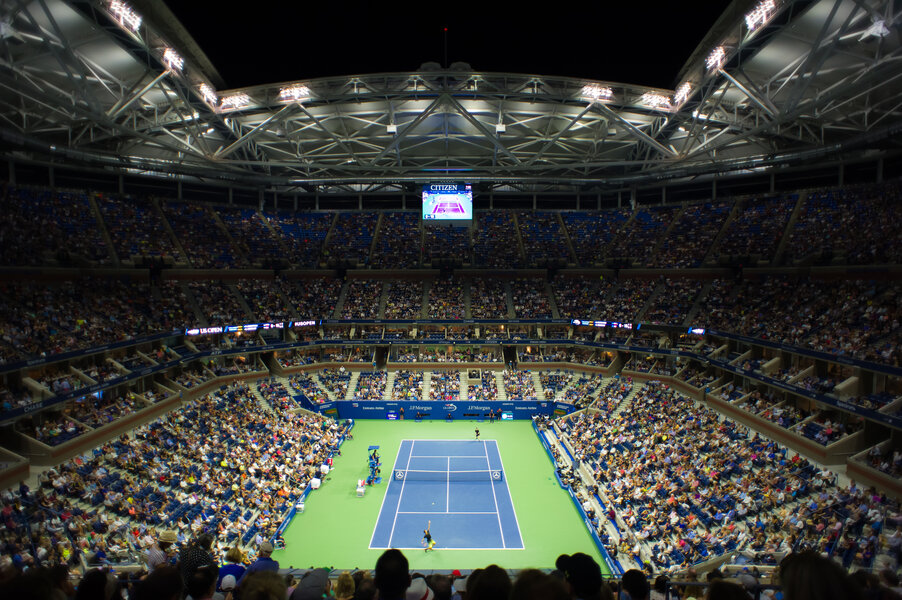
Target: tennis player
pixel 427 537
pixel 477 433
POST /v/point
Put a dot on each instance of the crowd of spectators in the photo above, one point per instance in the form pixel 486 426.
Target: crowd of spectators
pixel 483 390
pixel 446 299
pixel 554 382
pixel 40 319
pixel 673 301
pixel 362 300
pixel 96 412
pixel 336 381
pixel 639 238
pixel 624 300
pixel 495 240
pixel 444 386
pixel 251 233
pixel 446 243
pixel 518 385
pixel 488 299
pixel 218 302
pixel 303 235
pixel 543 238
pixel 42 226
pixel 314 298
pixel 591 232
pixel 853 225
pixel 351 238
pixel 207 245
pixel 690 485
pixel 220 466
pixel 398 243
pixel 403 299
pixel 303 383
pixel 530 299
pixel 51 429
pixel 408 385
pixel 370 385
pixel 577 297
pixel 137 229
pixel 265 300
pixel 887 460
pixel 687 244
pixel 757 228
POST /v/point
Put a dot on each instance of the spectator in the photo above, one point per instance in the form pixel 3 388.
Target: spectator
pixel 809 576
pixel 581 574
pixel 344 587
pixel 234 566
pixel 314 585
pixel 492 582
pixel 164 583
pixel 263 585
pixel 263 562
pixel 196 555
pixel 202 584
pixel 392 575
pixel 635 584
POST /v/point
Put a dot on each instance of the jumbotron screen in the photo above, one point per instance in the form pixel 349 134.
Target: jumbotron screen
pixel 448 202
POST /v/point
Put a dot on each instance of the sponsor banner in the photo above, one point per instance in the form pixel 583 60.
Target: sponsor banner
pixel 348 409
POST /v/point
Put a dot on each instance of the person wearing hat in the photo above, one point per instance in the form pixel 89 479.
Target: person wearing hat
pixel 234 566
pixel 158 553
pixel 226 587
pixel 314 585
pixel 263 562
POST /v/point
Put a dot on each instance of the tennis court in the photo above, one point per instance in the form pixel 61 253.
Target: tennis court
pixel 458 485
pixel 336 527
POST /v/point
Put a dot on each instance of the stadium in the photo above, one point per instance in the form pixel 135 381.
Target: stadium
pixel 547 336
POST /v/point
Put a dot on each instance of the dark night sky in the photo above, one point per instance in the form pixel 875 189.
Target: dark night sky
pixel 642 43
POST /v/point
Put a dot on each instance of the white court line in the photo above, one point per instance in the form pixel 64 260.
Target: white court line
pixel 494 497
pixel 509 495
pixel 385 495
pixel 443 548
pixel 448 491
pixel 400 496
pixel 448 456
pixel 436 512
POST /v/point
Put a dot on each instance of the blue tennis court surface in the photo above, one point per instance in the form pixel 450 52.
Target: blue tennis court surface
pixel 458 485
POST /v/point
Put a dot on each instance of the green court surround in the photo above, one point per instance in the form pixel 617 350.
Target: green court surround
pixel 336 526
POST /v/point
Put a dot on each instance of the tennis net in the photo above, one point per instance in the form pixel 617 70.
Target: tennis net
pixel 421 475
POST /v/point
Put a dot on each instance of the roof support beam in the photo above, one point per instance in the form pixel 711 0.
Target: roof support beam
pixel 558 135
pixel 633 130
pixel 250 135
pixel 440 100
pixel 499 147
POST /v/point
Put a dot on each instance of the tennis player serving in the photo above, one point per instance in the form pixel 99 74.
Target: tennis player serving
pixel 427 537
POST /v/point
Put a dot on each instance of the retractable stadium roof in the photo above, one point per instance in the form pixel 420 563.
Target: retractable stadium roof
pixel 120 86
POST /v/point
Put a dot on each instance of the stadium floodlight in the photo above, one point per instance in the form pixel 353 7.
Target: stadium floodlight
pixel 682 93
pixel 597 92
pixel 234 101
pixel 653 100
pixel 761 14
pixel 877 30
pixel 391 128
pixel 173 60
pixel 294 93
pixel 208 94
pixel 126 16
pixel 500 127
pixel 716 59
